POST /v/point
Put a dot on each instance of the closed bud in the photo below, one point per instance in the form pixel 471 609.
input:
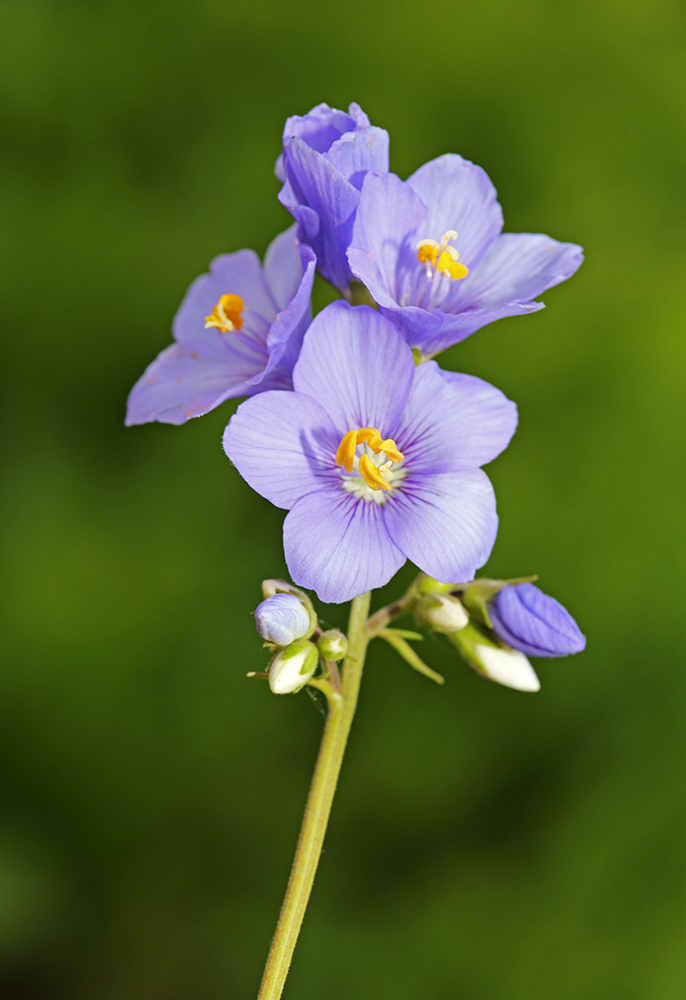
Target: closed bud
pixel 442 612
pixel 333 645
pixel 535 624
pixel 282 619
pixel 292 667
pixel 498 663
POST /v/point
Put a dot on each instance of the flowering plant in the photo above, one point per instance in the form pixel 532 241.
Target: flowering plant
pixel 374 451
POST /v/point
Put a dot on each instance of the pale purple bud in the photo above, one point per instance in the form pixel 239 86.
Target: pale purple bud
pixel 282 619
pixel 530 621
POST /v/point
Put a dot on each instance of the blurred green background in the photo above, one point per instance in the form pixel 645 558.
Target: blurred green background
pixel 485 844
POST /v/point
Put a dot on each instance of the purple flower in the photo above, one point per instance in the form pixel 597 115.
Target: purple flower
pixel 326 154
pixel 435 292
pixel 238 331
pixel 282 619
pixel 376 460
pixel 530 621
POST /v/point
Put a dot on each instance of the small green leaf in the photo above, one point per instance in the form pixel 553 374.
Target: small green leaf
pixel 405 634
pixel 396 640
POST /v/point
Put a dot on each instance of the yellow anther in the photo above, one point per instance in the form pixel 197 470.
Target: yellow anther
pixel 427 251
pixel 371 475
pixel 451 267
pixel 442 257
pixel 391 449
pixel 371 436
pixel 226 315
pixel 346 451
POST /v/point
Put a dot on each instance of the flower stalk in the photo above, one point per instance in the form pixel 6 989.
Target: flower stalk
pixel 339 719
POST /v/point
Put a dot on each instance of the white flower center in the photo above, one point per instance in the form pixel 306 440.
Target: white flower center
pixel 392 472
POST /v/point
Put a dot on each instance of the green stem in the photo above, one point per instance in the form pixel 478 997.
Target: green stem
pixel 338 722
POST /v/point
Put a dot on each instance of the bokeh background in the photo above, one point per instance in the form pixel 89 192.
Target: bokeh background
pixel 485 844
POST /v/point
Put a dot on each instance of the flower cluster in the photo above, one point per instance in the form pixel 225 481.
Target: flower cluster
pixel 497 624
pixel 288 623
pixel 374 451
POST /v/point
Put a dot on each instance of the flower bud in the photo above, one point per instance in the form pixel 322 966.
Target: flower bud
pixel 508 667
pixel 501 664
pixel 292 667
pixel 535 624
pixel 333 645
pixel 282 619
pixel 442 613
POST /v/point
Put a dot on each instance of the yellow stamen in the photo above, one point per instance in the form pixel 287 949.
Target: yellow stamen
pixel 371 475
pixel 450 267
pixel 226 315
pixel 427 251
pixel 346 451
pixel 370 436
pixel 442 257
pixel 389 446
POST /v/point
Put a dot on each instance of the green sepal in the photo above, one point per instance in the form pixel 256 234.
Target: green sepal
pixel 474 633
pixel 427 585
pixel 394 637
pixel 304 645
pixel 477 595
pixel 333 645
pixel 468 638
pixel 406 634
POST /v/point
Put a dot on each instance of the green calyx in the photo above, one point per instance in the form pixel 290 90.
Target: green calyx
pixel 477 595
pixel 333 645
pixel 311 657
pixel 468 638
pixel 427 585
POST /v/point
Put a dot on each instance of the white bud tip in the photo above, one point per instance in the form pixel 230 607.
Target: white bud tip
pixel 285 672
pixel 447 615
pixel 508 667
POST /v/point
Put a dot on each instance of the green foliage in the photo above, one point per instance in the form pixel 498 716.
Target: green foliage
pixel 485 845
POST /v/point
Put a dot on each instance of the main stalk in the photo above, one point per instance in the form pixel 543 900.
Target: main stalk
pixel 316 818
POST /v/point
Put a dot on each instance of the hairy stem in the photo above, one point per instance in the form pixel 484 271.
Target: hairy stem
pixel 338 722
pixel 380 620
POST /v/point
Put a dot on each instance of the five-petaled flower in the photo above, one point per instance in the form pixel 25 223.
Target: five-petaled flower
pixel 376 460
pixel 326 155
pixel 238 331
pixel 431 252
